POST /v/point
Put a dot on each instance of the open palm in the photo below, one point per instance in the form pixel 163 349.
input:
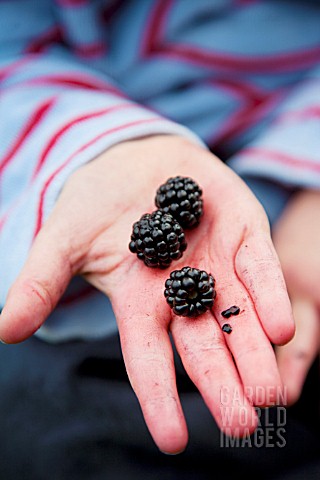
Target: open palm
pixel 88 233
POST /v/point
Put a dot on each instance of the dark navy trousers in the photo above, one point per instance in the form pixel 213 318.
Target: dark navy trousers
pixel 68 412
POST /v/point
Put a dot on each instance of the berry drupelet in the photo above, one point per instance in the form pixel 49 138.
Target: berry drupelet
pixel 190 292
pixel 157 239
pixel 181 196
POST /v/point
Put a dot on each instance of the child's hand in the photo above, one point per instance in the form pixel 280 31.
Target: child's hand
pixel 88 233
pixel 297 240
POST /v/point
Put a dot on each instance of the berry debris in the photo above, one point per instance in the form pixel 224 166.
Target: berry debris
pixel 234 310
pixel 227 328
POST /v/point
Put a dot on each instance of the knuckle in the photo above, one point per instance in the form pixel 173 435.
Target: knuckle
pixel 249 350
pixel 211 346
pixel 154 401
pixel 204 352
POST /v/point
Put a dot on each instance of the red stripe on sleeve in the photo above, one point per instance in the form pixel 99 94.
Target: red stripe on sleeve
pixel 241 88
pixel 57 136
pixel 10 69
pixel 84 147
pixel 283 158
pixel 252 111
pixel 155 25
pixel 245 3
pixel 290 61
pixel 305 114
pixel 3 220
pixel 155 43
pixel 91 50
pixel 72 81
pixel 72 3
pixel 40 43
pixel 35 119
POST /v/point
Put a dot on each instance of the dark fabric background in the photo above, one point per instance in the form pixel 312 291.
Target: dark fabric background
pixel 68 412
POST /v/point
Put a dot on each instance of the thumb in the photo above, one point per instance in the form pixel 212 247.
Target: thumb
pixel 36 291
pixel 295 358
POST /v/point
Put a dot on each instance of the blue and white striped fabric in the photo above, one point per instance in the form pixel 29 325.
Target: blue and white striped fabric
pixel 78 76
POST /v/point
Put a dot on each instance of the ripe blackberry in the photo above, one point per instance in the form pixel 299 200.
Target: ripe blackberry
pixel 157 239
pixel 190 292
pixel 181 196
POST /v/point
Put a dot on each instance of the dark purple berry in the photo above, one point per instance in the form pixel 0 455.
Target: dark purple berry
pixel 157 239
pixel 181 196
pixel 184 294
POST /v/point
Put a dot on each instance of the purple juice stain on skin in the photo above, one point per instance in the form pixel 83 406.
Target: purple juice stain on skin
pixel 234 310
pixel 227 328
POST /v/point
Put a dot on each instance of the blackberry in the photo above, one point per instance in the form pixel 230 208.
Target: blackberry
pixel 181 196
pixel 157 239
pixel 190 292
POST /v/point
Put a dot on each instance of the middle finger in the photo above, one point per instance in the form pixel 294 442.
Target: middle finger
pixel 210 366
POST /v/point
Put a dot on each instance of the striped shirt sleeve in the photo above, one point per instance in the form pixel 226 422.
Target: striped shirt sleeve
pixel 288 152
pixel 59 114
